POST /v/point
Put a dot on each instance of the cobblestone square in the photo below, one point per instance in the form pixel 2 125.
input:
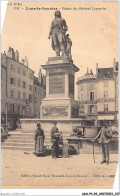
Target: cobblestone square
pixel 21 169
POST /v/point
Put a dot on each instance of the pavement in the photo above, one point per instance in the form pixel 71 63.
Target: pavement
pixel 24 170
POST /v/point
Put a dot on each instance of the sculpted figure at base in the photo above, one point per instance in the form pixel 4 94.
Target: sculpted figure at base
pixel 60 41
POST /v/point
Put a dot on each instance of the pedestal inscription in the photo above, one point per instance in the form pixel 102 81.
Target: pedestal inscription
pixel 57 83
pixel 54 111
pixel 59 101
pixel 71 84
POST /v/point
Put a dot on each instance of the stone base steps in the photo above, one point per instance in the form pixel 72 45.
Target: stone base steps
pixel 11 140
pixel 18 148
pixel 18 140
pixel 24 140
pixel 18 144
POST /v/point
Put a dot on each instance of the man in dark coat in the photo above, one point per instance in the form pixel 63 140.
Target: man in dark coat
pixel 104 136
pixel 55 136
pixel 57 31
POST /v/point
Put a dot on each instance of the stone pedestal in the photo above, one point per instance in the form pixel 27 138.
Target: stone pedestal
pixel 60 77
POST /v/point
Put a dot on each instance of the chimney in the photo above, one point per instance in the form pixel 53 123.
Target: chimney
pixel 40 76
pixel 9 53
pixel 16 55
pixel 91 73
pixel 96 68
pixel 114 61
pixel 115 65
pixel 87 71
pixel 26 61
pixel 13 54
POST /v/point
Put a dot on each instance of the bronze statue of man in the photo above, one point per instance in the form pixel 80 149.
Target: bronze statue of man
pixel 57 31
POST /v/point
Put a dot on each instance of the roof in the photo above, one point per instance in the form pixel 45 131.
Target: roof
pixel 36 82
pixel 86 78
pixel 105 73
pixel 17 61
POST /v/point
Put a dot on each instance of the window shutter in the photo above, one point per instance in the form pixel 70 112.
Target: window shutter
pixel 95 107
pixel 88 108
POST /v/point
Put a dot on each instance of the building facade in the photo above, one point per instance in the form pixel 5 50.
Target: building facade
pixel 17 87
pixel 39 93
pixel 98 94
pixel 3 91
pixel 116 78
pixel 87 95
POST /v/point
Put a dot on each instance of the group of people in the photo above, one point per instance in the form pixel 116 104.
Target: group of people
pixel 56 139
pixel 104 136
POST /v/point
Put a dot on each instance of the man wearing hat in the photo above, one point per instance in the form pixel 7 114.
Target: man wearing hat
pixel 104 136
pixel 55 136
pixel 57 31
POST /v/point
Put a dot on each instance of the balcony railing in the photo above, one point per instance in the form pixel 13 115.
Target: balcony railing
pixel 88 102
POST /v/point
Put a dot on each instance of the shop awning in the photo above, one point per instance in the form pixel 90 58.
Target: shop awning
pixel 105 117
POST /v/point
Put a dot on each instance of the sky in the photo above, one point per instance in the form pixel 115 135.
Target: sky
pixel 94 33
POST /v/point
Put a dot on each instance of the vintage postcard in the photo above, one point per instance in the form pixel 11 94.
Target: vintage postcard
pixel 59 95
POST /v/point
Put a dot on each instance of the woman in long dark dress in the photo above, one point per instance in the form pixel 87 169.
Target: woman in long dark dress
pixel 39 140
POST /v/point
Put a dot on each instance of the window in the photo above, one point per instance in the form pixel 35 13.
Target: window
pixel 18 94
pixel 30 110
pixel 1 74
pixel 23 84
pixel 91 86
pixel 105 107
pixel 81 96
pixel 107 75
pixel 18 109
pixel 30 87
pixel 105 83
pixel 81 109
pixel 30 98
pixel 12 108
pixel 81 87
pixel 24 95
pixel 12 94
pixel 27 101
pixel 30 75
pixel 18 69
pixel 35 89
pixel 105 94
pixel 12 67
pixel 92 108
pixel 23 72
pixel 23 109
pixel 79 100
pixel 12 80
pixel 91 95
pixel 19 83
pixel 35 100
